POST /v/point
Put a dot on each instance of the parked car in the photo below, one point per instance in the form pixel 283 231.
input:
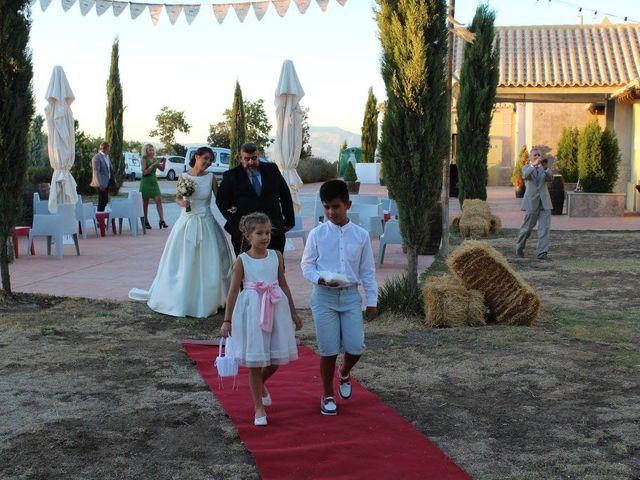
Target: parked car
pixel 132 169
pixel 219 163
pixel 173 167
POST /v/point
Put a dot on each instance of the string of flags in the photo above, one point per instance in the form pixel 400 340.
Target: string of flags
pixel 190 11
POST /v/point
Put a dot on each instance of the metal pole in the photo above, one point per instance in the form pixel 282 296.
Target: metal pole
pixel 447 162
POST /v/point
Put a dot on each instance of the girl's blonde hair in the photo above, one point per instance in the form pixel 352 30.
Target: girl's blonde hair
pixel 248 223
pixel 144 150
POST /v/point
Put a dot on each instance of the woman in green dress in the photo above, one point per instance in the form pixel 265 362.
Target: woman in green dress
pixel 149 184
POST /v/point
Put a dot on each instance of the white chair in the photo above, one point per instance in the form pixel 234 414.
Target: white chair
pixel 364 199
pixel 124 208
pixel 318 212
pixel 85 211
pixel 40 207
pixel 393 208
pixel 354 217
pixel 55 226
pixel 391 236
pixel 298 231
pixel 370 217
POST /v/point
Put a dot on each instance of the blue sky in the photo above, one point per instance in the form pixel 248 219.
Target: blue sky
pixel 193 68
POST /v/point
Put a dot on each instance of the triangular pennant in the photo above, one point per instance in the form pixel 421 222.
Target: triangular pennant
pixel 102 6
pixel 281 6
pixel 86 5
pixel 67 4
pixel 241 10
pixel 302 5
pixel 190 12
pixel 155 11
pixel 44 4
pixel 323 4
pixel 341 2
pixel 220 11
pixel 118 8
pixel 260 8
pixel 136 9
pixel 173 12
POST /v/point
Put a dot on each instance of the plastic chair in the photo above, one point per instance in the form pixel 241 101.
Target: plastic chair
pixel 40 207
pixel 55 226
pixel 370 217
pixel 391 236
pixel 364 199
pixel 136 197
pixel 393 208
pixel 298 231
pixel 85 211
pixel 318 212
pixel 124 208
pixel 354 217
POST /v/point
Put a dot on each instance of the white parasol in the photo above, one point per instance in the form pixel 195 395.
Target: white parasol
pixel 288 142
pixel 61 144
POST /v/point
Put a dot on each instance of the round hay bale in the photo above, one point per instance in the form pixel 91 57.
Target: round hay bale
pixel 481 267
pixel 474 227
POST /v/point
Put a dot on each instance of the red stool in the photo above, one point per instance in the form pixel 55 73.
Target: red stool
pixel 103 222
pixel 21 231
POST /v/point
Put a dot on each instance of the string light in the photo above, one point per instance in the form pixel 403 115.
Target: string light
pixel 581 9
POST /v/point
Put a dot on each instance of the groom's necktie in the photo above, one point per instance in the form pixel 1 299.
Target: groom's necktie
pixel 256 184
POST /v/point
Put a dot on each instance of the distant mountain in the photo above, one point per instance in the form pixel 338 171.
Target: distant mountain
pixel 325 141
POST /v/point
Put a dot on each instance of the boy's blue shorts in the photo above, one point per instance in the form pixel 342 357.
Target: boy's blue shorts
pixel 337 315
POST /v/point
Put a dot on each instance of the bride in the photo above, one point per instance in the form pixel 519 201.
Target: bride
pixel 192 278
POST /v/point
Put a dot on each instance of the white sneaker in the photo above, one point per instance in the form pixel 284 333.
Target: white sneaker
pixel 260 421
pixel 266 401
pixel 344 388
pixel 328 406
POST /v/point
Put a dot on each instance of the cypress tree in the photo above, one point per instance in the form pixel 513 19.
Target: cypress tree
pixel 415 126
pixel 343 146
pixel 238 132
pixel 568 154
pixel 478 84
pixel 370 129
pixel 16 110
pixel 37 143
pixel 590 158
pixel 114 131
pixel 610 160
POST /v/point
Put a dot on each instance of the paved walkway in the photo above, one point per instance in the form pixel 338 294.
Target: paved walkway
pixel 109 266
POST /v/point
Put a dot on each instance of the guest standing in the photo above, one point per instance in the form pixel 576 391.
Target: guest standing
pixel 149 184
pixel 103 176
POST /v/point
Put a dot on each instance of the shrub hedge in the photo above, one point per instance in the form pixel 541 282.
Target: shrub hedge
pixel 315 169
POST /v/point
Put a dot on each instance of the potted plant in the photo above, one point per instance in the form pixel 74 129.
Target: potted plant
pixel 351 179
pixel 516 175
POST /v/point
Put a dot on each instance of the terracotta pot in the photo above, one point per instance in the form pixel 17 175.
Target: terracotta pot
pixel 556 192
pixel 353 187
pixel 519 189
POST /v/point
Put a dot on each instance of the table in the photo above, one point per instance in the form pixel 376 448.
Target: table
pixel 103 222
pixel 21 231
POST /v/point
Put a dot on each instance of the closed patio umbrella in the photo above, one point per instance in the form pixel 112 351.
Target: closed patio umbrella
pixel 61 144
pixel 288 142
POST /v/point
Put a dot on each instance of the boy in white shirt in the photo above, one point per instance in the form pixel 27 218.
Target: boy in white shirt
pixel 336 258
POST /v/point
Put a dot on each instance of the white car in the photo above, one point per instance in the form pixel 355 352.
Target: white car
pixel 173 167
pixel 219 163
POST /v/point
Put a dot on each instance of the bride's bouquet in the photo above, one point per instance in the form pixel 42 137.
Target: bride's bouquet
pixel 186 187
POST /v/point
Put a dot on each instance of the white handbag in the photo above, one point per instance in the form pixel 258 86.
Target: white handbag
pixel 226 364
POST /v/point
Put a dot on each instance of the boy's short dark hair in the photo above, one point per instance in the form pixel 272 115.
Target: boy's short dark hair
pixel 334 189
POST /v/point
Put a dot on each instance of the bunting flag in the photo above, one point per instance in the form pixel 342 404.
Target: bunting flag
pixel 85 6
pixel 191 11
pixel 303 5
pixel 281 6
pixel 260 8
pixel 103 5
pixel 173 12
pixel 241 10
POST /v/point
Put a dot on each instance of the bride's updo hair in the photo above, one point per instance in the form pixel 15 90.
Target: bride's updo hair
pixel 249 223
pixel 200 151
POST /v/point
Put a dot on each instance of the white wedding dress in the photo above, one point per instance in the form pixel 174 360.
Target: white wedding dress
pixel 194 271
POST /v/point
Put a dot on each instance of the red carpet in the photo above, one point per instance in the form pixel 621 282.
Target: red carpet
pixel 367 439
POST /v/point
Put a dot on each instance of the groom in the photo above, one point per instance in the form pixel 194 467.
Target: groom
pixel 255 186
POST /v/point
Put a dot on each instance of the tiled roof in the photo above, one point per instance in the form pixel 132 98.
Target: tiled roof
pixel 566 55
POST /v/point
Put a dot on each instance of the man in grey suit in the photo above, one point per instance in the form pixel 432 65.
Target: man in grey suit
pixel 102 177
pixel 536 205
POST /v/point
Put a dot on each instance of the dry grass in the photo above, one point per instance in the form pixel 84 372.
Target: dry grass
pixel 481 267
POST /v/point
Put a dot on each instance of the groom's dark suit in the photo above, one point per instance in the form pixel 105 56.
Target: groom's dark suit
pixel 274 200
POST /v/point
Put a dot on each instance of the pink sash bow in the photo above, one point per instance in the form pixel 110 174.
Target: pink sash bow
pixel 270 294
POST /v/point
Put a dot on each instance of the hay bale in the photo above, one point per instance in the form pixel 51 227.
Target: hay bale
pixel 448 303
pixel 476 219
pixel 481 267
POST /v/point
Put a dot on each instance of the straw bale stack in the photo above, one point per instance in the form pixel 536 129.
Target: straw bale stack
pixel 476 219
pixel 448 303
pixel 481 267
